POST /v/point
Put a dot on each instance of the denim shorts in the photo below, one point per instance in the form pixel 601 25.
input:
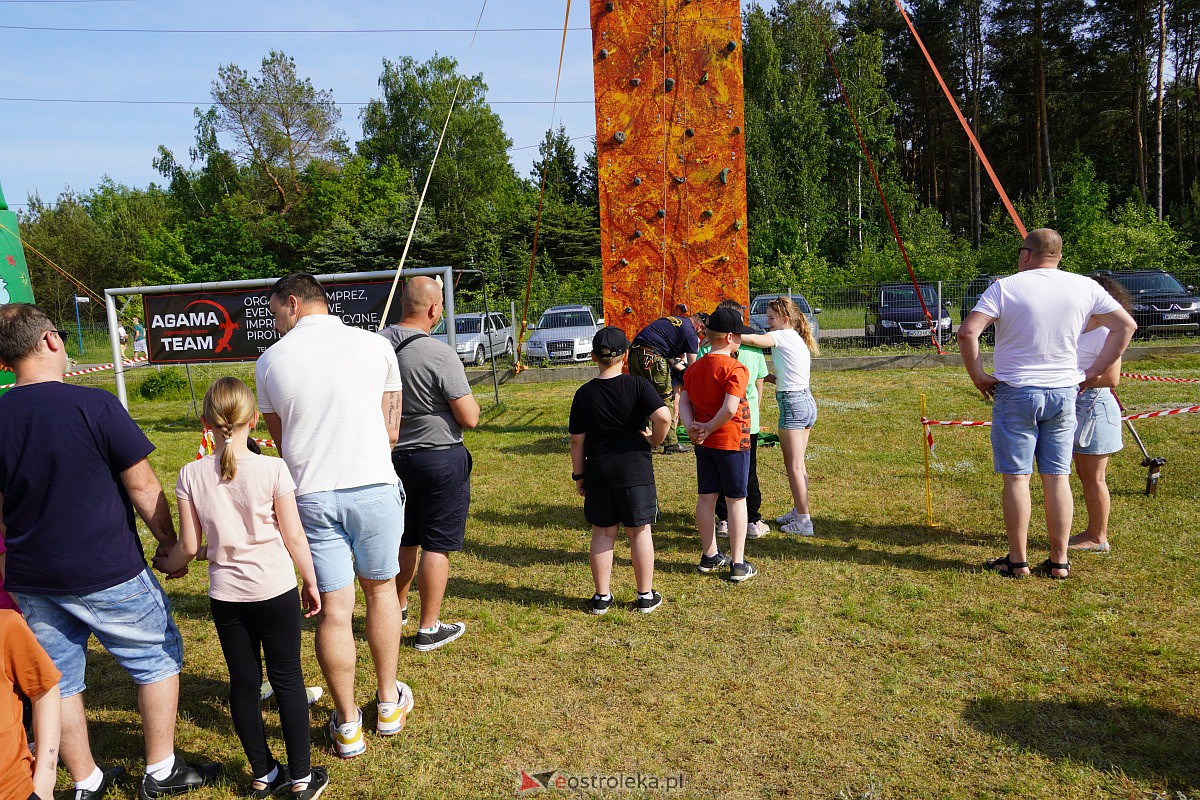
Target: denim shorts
pixel 797 409
pixel 354 531
pixel 1030 422
pixel 1097 423
pixel 723 472
pixel 132 621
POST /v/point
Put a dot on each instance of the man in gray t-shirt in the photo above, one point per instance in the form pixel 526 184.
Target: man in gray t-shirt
pixel 430 458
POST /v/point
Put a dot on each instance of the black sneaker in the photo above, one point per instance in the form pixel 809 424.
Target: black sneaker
pixel 445 634
pixel 715 561
pixel 647 604
pixel 672 449
pixel 281 780
pixel 742 572
pixel 599 605
pixel 318 780
pixel 183 778
pixel 111 776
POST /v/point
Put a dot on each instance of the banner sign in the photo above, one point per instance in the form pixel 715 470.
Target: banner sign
pixel 15 286
pixel 236 325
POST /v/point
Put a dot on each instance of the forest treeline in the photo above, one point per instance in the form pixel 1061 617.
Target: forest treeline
pixel 1088 111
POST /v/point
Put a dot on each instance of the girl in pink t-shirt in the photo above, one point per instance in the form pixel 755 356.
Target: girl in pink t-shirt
pixel 244 505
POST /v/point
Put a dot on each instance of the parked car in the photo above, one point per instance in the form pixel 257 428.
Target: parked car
pixel 564 333
pixel 1161 304
pixel 758 311
pixel 478 337
pixel 971 296
pixel 895 315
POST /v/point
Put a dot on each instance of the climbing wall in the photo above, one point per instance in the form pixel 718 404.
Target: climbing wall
pixel 671 156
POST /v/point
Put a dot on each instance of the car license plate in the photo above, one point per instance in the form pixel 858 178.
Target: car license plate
pixel 1175 317
pixel 916 333
pixel 560 350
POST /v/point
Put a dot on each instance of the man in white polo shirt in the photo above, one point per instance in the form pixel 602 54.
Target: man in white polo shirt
pixel 330 395
pixel 1039 314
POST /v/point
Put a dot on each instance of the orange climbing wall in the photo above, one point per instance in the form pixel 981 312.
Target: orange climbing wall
pixel 671 156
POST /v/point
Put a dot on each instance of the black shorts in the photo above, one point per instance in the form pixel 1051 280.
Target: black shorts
pixel 723 472
pixel 631 506
pixel 437 488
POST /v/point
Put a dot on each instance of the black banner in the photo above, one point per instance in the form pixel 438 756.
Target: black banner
pixel 236 325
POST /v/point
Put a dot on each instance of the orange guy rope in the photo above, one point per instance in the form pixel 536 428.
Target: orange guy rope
pixel 517 366
pixel 1012 212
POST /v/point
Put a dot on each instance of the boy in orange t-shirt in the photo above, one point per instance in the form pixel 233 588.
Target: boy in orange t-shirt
pixel 713 408
pixel 25 669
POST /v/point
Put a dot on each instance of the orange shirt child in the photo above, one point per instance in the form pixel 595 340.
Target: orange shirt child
pixel 707 382
pixel 24 667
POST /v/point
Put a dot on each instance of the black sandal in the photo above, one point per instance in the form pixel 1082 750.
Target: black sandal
pixel 1004 567
pixel 1049 566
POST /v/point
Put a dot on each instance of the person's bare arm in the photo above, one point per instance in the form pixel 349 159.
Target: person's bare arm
pixel 759 340
pixel 47 729
pixel 727 411
pixel 1121 328
pixel 275 428
pixel 968 347
pixel 577 460
pixel 758 385
pixel 174 563
pixel 465 410
pixel 148 499
pixel 689 359
pixel 660 425
pixel 392 407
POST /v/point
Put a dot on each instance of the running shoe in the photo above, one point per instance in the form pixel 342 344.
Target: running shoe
pixel 390 718
pixel 646 605
pixel 444 635
pixel 742 572
pixel 348 739
pixel 715 561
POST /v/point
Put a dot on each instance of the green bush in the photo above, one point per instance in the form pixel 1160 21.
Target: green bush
pixel 165 383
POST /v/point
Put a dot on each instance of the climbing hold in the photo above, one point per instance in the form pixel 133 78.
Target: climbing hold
pixel 737 224
pixel 704 79
pixel 603 54
pixel 609 6
pixel 737 129
pixel 670 84
pixel 628 310
pixel 707 213
pixel 679 179
pixel 723 259
pixel 662 213
pixel 731 46
pixel 624 262
pixel 637 181
pixel 637 234
pixel 620 137
pixel 725 175
pixel 635 81
pixel 666 48
pixel 690 131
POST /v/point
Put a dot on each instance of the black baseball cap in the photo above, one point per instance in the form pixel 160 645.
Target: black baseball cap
pixel 727 320
pixel 609 342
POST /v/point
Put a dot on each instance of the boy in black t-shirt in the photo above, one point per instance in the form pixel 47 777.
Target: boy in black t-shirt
pixel 610 463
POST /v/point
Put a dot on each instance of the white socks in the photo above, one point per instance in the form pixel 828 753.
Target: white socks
pixel 803 518
pixel 433 629
pixel 92 782
pixel 270 776
pixel 162 769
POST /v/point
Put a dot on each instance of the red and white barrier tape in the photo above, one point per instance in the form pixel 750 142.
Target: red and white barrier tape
pixel 207 443
pixel 958 422
pixel 129 362
pixel 1167 413
pixel 1134 376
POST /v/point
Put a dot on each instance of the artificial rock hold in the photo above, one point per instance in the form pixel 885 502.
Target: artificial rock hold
pixel 670 84
pixel 620 137
pixel 725 175
pixel 603 54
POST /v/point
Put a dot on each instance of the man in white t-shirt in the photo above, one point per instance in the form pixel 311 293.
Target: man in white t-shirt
pixel 1039 314
pixel 330 395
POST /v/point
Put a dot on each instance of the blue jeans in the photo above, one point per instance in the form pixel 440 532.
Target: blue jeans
pixel 353 531
pixel 1030 422
pixel 132 620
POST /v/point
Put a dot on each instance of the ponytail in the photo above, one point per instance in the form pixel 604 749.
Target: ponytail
pixel 786 307
pixel 228 405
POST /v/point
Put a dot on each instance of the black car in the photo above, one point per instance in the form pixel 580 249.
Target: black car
pixel 1161 304
pixel 895 315
pixel 971 296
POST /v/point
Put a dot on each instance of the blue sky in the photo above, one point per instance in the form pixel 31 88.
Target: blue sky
pixel 47 146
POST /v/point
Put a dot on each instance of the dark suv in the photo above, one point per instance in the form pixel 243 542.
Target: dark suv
pixel 895 315
pixel 1161 304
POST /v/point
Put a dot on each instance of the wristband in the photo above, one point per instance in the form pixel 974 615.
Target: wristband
pixel 576 476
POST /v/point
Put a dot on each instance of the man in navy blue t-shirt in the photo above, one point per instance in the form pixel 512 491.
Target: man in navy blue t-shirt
pixel 654 348
pixel 73 470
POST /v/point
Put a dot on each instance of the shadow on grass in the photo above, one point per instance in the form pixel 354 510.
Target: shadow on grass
pixel 518 595
pixel 542 515
pixel 527 421
pixel 523 556
pixel 1139 741
pixel 544 446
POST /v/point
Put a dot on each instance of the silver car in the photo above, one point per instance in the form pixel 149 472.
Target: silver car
pixel 564 333
pixel 758 311
pixel 478 337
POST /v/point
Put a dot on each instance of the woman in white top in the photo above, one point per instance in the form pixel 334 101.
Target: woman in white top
pixel 1097 432
pixel 792 347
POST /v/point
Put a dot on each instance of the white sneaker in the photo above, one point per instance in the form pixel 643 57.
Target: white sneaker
pixel 391 717
pixel 790 516
pixel 757 530
pixel 348 740
pixel 799 528
pixel 723 528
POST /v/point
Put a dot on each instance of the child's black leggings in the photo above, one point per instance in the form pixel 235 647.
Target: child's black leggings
pixel 248 633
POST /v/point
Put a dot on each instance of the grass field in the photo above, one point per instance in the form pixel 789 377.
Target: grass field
pixel 876 660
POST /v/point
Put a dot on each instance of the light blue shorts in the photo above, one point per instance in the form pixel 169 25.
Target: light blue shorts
pixel 354 532
pixel 1097 423
pixel 132 620
pixel 1030 422
pixel 797 409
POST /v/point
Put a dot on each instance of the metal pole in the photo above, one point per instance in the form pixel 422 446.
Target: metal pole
pixel 487 311
pixel 79 327
pixel 110 310
pixel 451 326
pixel 938 322
pixel 192 386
